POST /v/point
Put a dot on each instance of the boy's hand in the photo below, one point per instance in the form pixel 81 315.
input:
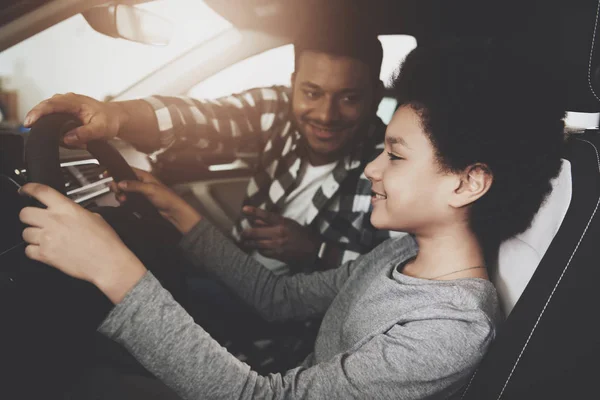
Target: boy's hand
pixel 77 242
pixel 172 207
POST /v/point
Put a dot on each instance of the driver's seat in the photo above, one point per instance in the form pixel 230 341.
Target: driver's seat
pixel 547 278
pixel 550 342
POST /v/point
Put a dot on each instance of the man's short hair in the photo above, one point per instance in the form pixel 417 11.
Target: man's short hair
pixel 479 102
pixel 358 43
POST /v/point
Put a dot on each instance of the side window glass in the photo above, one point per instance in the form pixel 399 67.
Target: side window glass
pixel 386 109
pixel 395 50
pixel 44 64
pixel 272 67
pixel 578 120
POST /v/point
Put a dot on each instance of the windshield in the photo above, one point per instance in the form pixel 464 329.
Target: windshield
pixel 72 57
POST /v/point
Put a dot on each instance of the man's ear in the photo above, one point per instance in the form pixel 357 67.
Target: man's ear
pixel 473 183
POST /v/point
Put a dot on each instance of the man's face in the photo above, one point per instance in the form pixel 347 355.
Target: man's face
pixel 333 98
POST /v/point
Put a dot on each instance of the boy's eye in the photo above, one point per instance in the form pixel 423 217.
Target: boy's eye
pixel 394 157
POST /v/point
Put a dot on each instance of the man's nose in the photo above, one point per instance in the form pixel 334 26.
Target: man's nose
pixel 328 111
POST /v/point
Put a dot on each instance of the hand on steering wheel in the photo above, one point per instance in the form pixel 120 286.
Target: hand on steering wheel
pixel 101 121
pixel 78 242
pixel 43 164
pixel 170 206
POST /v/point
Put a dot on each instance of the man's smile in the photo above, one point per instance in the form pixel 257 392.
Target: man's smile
pixel 325 133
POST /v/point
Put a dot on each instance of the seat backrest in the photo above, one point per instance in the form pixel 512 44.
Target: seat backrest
pixel 548 345
pixel 520 255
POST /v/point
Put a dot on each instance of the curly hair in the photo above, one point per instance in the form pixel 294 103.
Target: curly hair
pixel 480 103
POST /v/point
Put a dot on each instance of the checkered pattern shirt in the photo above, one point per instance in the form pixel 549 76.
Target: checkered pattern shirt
pixel 262 119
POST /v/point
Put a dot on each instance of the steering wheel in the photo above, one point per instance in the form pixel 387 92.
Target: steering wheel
pixel 53 316
pixel 42 157
pixel 137 222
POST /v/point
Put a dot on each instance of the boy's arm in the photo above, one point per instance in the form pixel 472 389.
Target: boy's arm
pixel 275 297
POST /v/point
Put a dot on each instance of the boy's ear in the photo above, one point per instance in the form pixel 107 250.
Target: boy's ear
pixel 473 182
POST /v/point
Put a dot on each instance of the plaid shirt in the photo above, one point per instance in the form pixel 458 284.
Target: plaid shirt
pixel 262 119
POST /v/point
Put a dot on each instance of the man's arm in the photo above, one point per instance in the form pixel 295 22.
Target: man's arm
pixel 138 124
pixel 132 120
pixel 159 122
pixel 225 122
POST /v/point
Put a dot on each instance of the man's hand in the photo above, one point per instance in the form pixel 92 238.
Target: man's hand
pixel 100 120
pixel 79 243
pixel 172 207
pixel 281 238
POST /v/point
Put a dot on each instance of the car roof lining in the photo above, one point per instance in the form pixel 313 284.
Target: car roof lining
pixel 558 35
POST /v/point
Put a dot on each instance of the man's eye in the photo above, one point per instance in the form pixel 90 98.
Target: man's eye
pixel 311 94
pixel 351 99
pixel 394 157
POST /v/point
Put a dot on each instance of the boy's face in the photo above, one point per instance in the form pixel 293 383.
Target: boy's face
pixel 410 193
pixel 333 98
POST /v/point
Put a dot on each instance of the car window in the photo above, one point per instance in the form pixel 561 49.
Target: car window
pixel 395 50
pixel 577 120
pixel 272 67
pixel 71 57
pixel 275 67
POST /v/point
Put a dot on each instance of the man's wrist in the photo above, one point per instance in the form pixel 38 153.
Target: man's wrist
pixel 119 116
pixel 136 123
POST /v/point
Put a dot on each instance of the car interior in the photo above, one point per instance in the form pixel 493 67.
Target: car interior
pixel 546 277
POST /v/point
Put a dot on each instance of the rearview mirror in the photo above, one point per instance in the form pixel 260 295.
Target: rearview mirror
pixel 130 23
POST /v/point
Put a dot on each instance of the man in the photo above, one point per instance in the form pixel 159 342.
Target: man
pixel 308 198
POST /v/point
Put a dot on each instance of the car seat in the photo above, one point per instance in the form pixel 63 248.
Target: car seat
pixel 546 347
pixel 548 277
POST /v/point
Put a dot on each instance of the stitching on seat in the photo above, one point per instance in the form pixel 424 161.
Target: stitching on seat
pixel 592 53
pixel 469 385
pixel 559 279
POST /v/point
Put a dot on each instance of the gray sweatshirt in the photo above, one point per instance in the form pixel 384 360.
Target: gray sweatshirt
pixel 384 335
